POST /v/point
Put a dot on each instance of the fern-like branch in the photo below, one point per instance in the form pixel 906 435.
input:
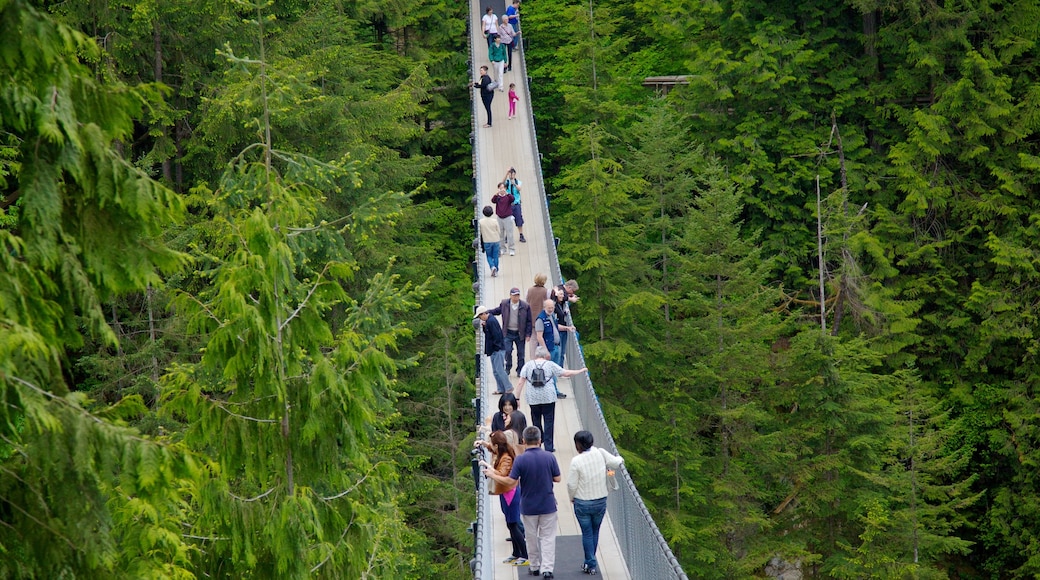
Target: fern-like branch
pixel 306 299
pixel 353 487
pixel 252 499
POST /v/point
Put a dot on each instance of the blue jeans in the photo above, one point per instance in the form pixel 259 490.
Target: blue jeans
pixel 498 367
pixel 557 356
pixel 491 251
pixel 558 353
pixel 513 338
pixel 589 514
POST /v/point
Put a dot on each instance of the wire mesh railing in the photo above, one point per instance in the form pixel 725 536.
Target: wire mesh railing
pixel 645 551
pixel 482 564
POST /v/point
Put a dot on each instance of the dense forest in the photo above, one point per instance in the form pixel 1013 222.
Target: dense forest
pixel 235 284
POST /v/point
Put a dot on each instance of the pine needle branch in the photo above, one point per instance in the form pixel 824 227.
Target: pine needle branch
pixel 204 307
pixel 306 299
pixel 353 487
pixel 338 542
pixel 234 414
pixel 38 522
pixel 297 231
pixel 252 499
pixel 76 408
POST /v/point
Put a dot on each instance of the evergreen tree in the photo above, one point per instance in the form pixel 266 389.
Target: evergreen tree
pixel 81 494
pixel 729 324
pixel 596 200
pixel 292 410
pixel 835 426
pixel 911 525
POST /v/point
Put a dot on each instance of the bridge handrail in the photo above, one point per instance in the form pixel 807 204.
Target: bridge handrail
pixel 643 547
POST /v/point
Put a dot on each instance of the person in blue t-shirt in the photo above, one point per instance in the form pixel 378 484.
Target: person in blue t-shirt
pixel 536 470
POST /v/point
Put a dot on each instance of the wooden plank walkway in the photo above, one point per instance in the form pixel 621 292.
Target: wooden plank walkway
pixel 509 144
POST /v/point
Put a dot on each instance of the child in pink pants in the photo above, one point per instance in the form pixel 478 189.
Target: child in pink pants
pixel 512 100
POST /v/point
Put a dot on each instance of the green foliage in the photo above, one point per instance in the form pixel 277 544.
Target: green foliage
pixel 83 495
pixel 293 411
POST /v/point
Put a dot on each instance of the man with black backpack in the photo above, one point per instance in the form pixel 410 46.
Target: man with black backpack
pixel 542 374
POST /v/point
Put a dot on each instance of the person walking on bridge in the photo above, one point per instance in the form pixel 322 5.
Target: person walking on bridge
pixel 508 35
pixel 587 488
pixel 542 374
pixel 503 201
pixel 497 55
pixel 517 323
pixel 513 187
pixel 490 238
pixel 536 471
pixel 489 23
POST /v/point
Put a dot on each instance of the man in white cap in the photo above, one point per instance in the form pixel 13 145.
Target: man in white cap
pixel 494 347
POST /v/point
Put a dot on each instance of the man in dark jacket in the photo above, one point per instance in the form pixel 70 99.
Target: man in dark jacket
pixel 495 347
pixel 518 326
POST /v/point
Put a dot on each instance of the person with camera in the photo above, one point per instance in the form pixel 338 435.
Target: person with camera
pixel 513 187
pixel 564 295
pixel 503 457
pixel 536 471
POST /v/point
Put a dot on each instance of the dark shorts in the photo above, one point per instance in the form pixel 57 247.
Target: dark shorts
pixel 518 215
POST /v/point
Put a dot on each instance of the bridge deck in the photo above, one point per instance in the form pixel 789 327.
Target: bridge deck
pixel 508 144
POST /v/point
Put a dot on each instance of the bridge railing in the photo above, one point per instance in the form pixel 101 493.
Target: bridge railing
pixel 645 550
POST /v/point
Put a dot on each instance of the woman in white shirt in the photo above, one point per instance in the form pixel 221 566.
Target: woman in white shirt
pixel 489 23
pixel 587 488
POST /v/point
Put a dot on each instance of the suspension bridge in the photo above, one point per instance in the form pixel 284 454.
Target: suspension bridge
pixel 631 546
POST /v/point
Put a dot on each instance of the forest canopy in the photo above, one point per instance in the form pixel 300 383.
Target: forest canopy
pixel 234 281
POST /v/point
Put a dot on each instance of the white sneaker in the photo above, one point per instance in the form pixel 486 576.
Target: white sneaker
pixel 512 253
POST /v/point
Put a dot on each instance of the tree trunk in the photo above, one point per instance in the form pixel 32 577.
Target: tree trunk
pixel 150 295
pixel 167 169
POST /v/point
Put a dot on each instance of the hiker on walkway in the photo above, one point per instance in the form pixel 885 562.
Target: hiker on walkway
pixel 487 92
pixel 503 458
pixel 494 348
pixel 536 296
pixel 518 325
pixel 542 374
pixel 497 55
pixel 547 331
pixel 490 236
pixel 587 488
pixel 513 13
pixel 503 201
pixel 536 471
pixel 507 35
pixel 564 295
pixel 513 187
pixel 489 24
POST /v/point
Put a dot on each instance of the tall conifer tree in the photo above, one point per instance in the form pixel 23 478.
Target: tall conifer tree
pixel 291 409
pixel 81 494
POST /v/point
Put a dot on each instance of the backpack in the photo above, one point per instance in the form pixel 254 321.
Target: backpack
pixel 511 188
pixel 538 376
